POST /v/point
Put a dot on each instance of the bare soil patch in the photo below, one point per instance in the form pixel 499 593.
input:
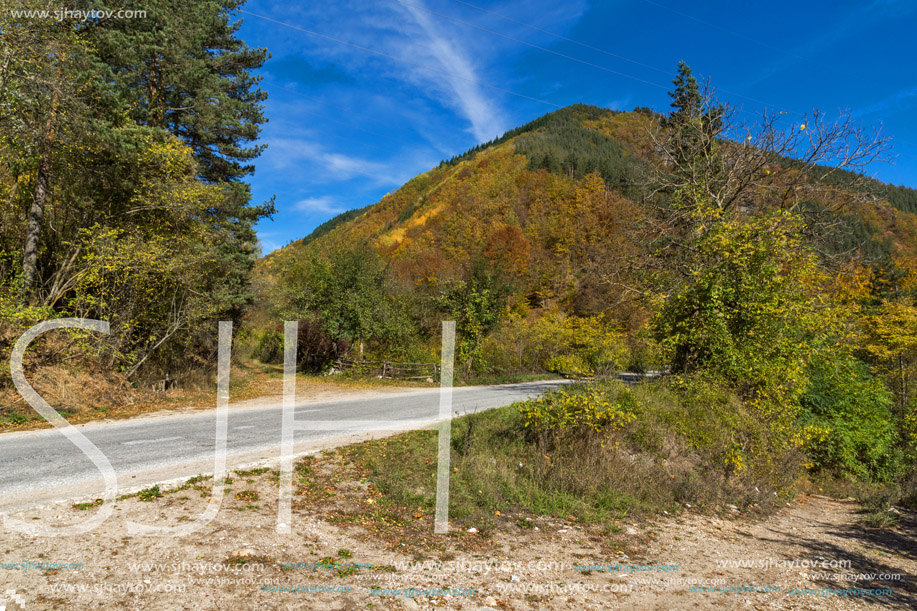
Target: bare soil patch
pixel 343 554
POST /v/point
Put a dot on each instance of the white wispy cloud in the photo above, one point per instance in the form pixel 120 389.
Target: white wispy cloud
pixel 318 164
pixel 324 204
pixel 619 104
pixel 268 241
pixel 465 92
pixel 895 101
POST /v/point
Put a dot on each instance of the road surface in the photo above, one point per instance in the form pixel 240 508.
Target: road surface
pixel 37 467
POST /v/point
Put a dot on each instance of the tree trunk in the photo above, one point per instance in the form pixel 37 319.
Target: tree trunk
pixel 33 232
pixel 37 210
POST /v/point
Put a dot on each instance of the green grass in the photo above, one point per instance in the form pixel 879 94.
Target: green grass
pixel 149 494
pixel 487 451
pixel 198 483
pixel 675 452
pixel 88 505
pixel 878 519
pixel 877 504
pixel 251 472
pixel 16 418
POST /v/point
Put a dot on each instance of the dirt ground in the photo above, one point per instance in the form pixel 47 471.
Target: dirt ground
pixel 812 554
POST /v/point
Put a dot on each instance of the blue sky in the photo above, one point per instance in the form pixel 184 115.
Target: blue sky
pixel 364 95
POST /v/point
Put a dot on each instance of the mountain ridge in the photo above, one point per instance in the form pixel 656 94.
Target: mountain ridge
pixel 550 157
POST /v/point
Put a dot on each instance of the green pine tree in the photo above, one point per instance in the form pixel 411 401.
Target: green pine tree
pixel 686 98
pixel 183 69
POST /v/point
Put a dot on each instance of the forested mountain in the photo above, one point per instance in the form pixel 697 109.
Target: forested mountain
pixel 563 216
pixel 535 177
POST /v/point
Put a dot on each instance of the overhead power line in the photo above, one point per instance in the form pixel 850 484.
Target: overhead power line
pixel 528 44
pixel 399 59
pixel 564 38
pixel 609 53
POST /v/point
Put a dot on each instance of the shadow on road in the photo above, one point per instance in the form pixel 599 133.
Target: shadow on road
pixel 871 552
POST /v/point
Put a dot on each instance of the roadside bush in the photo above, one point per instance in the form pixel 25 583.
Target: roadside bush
pixel 317 350
pixel 847 426
pixel 589 344
pixel 598 452
pixel 555 342
pixel 269 346
pixel 656 445
pixel 579 409
pixel 509 348
pixel 745 312
pixel 568 364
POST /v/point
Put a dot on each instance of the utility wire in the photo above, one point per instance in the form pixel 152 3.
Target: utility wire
pixel 528 44
pixel 398 59
pixel 609 53
pixel 564 38
pixel 273 82
pixel 717 27
pixel 494 87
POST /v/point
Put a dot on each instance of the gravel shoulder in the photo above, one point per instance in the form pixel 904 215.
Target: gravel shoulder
pixel 239 561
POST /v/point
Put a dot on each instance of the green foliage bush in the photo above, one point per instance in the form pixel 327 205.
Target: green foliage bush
pixel 556 342
pixel 580 408
pixel 568 364
pixel 685 439
pixel 348 292
pixel 598 452
pixel 475 305
pixel 847 426
pixel 729 433
pixel 269 346
pixel 746 314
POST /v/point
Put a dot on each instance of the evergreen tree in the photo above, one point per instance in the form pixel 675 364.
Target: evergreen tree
pixel 183 70
pixel 53 108
pixel 124 144
pixel 686 98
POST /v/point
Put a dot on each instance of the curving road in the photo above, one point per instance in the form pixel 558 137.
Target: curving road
pixel 37 467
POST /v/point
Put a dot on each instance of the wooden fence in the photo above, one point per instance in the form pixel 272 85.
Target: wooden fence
pixel 391 369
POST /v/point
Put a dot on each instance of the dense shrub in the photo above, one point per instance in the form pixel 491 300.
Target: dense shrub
pixel 580 409
pixel 847 426
pixel 745 314
pixel 317 350
pixel 269 346
pixel 681 440
pixel 556 342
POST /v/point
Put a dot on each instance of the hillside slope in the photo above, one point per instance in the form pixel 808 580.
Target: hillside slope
pixel 559 206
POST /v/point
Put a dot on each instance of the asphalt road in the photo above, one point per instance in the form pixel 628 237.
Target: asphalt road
pixel 43 465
